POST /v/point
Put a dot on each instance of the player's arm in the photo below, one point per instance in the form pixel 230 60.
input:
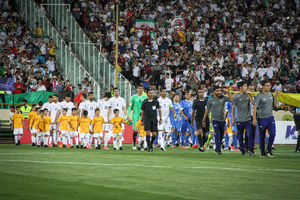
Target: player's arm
pixel 159 113
pixel 205 116
pixel 275 99
pixel 12 123
pixel 173 111
pixel 233 114
pixel 254 116
pixel 108 114
pixel 142 117
pixel 185 117
pixel 250 98
pixel 57 115
pixel 125 110
pixel 130 108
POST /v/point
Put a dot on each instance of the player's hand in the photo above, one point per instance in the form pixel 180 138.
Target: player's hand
pixel 160 121
pixel 233 122
pixel 203 124
pixel 254 122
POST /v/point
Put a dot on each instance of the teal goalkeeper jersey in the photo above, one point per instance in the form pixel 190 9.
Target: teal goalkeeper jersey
pixel 135 105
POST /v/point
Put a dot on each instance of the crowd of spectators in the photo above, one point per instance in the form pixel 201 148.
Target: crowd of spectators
pixel 199 43
pixel 29 57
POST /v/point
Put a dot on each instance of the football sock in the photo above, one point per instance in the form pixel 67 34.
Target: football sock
pixel 37 140
pixel 115 143
pixel 196 139
pixel 54 137
pixel 200 140
pixel 64 139
pixel 234 140
pixel 145 143
pixel 16 139
pixel 193 138
pixel 50 140
pixel 46 140
pixel 76 141
pixel 226 140
pixel 32 139
pixel 120 142
pixel 148 141
pixel 182 139
pixel 140 141
pixel 134 138
pixel 71 141
pixel 173 138
pixel 155 141
pixel 210 137
pixel 186 140
pixel 298 142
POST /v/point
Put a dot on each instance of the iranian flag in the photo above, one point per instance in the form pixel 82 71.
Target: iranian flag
pixel 144 23
pixel 178 23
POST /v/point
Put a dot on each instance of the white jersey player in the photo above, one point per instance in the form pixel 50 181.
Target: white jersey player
pixel 164 129
pixel 47 104
pixel 91 107
pixel 105 106
pixel 53 108
pixel 117 102
pixel 83 105
pixel 67 104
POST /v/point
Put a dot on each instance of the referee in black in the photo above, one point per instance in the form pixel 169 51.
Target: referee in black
pixel 199 107
pixel 149 118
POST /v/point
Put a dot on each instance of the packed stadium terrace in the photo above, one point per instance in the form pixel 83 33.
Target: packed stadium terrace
pixel 193 44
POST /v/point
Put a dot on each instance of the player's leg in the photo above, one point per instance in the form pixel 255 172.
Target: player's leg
pixel 100 140
pixel 140 140
pixel 71 137
pixel 272 133
pixel 96 139
pixel 115 136
pixel 120 137
pixel 81 138
pixel 46 138
pixel 173 136
pixel 16 136
pixel 76 137
pixel 218 128
pixel 249 135
pixel 262 135
pixel 241 126
pixel 135 131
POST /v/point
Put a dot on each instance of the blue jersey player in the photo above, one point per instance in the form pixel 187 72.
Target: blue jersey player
pixel 230 129
pixel 176 124
pixel 186 127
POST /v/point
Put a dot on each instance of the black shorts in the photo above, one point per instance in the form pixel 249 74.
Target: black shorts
pixel 200 126
pixel 150 124
pixel 297 122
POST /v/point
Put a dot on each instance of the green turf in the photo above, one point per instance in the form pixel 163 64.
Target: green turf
pixel 39 173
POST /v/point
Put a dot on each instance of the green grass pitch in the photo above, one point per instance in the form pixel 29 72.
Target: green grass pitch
pixel 38 173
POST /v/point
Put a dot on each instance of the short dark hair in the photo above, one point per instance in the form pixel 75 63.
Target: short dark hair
pixel 240 84
pixel 24 100
pixel 264 82
pixel 18 107
pixel 116 110
pixel 91 93
pixel 107 94
pixel 33 105
pixel 50 97
pixel 41 111
pixel 97 109
pixel 163 88
pixel 85 113
pixel 65 109
pixel 74 109
pixel 45 109
pixel 84 95
pixel 140 85
pixel 55 95
pixel 216 87
pixel 116 88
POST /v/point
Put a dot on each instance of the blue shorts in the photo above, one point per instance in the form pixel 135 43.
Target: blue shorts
pixel 176 124
pixel 187 127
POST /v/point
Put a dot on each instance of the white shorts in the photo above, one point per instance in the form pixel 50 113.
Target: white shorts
pixel 52 127
pixel 164 126
pixel 64 133
pixel 33 131
pixel 73 133
pixel 18 131
pixel 116 135
pixel 91 127
pixel 40 134
pixel 46 133
pixel 107 127
pixel 123 127
pixel 96 135
pixel 83 135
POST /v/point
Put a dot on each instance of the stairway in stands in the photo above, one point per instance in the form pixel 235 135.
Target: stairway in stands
pixel 6 134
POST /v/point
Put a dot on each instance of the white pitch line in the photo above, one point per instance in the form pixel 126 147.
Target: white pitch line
pixel 152 166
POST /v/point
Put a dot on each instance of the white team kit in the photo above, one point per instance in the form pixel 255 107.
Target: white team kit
pixel 53 109
pixel 68 106
pixel 104 106
pixel 91 107
pixel 117 103
pixel 165 105
pixel 46 106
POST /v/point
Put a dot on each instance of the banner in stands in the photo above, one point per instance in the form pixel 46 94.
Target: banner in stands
pixel 178 23
pixel 6 84
pixel 31 97
pixel 144 23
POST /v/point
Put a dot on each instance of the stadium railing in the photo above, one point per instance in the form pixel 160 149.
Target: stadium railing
pixel 91 56
pixel 69 64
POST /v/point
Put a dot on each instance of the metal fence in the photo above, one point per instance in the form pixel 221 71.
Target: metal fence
pixel 70 65
pixel 92 57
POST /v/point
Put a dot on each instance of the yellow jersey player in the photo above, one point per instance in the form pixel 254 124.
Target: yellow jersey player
pixel 117 122
pixel 17 125
pixel 63 124
pixel 142 135
pixel 40 129
pixel 84 124
pixel 46 131
pixel 73 129
pixel 31 117
pixel 97 124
